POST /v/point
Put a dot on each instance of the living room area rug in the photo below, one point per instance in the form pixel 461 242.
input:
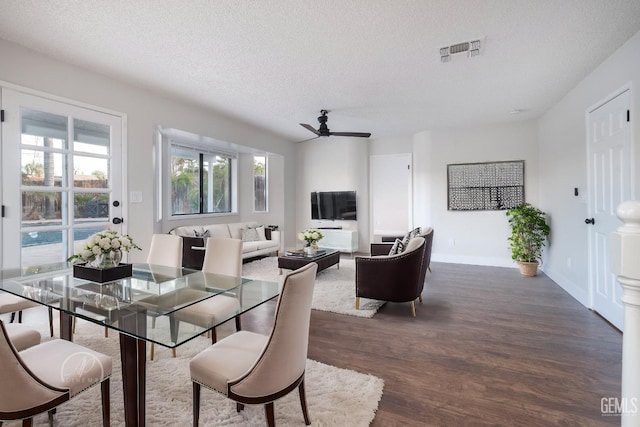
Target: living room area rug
pixel 334 291
pixel 335 396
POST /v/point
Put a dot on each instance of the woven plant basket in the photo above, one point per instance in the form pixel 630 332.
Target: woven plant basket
pixel 528 268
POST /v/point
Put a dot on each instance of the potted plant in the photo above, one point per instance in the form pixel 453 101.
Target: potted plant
pixel 529 231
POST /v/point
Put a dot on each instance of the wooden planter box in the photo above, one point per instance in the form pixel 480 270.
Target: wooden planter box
pixel 102 275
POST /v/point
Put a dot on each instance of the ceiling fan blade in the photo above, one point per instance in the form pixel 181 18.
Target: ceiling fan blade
pixel 310 139
pixel 308 127
pixel 356 134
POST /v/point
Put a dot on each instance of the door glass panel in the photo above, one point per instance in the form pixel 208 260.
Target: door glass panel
pixel 43 168
pixel 91 206
pixel 42 247
pixel 90 172
pixel 43 129
pixel 41 209
pixel 91 137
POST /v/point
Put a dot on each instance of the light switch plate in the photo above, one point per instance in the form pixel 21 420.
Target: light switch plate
pixel 135 197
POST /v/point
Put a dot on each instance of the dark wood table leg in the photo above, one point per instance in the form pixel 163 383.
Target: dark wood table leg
pixel 133 353
pixel 66 326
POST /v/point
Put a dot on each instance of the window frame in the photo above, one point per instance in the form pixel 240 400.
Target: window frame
pixel 202 153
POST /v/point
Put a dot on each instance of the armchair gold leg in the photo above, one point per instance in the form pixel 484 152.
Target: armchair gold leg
pixel 174 352
pixel 357 303
pixel 420 297
pixel 153 347
pixel 106 332
pixel 413 308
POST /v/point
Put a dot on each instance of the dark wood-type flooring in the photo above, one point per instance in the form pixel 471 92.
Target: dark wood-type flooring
pixel 488 347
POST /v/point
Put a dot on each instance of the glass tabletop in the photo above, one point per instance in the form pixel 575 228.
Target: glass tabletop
pixel 143 305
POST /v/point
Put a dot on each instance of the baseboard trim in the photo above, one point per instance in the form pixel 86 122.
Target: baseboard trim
pixel 473 260
pixel 581 295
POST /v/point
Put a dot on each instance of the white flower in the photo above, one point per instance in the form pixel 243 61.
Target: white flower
pixel 104 242
pixel 86 254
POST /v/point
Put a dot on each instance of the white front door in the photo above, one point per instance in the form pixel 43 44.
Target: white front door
pixel 609 154
pixel 61 178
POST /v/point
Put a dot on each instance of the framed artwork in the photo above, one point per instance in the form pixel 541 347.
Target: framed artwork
pixel 485 186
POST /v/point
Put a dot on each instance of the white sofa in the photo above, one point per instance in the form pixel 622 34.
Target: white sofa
pixel 268 242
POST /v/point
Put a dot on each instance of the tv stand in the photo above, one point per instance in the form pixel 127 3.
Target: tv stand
pixel 330 228
pixel 340 240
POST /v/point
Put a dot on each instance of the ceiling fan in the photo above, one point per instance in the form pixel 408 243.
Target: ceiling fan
pixel 323 130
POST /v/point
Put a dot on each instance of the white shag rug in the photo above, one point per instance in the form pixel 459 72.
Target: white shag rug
pixel 334 291
pixel 335 396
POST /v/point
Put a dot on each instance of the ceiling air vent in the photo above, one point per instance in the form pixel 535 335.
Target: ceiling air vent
pixel 472 47
pixel 458 48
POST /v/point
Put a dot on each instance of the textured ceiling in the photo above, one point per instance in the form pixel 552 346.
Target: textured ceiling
pixel 373 63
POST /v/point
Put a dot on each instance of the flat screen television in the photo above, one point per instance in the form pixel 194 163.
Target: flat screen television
pixel 336 205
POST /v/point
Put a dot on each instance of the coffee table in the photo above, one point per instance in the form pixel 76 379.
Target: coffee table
pixel 325 258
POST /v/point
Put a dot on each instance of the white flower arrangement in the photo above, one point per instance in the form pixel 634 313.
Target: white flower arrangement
pixel 311 236
pixel 103 243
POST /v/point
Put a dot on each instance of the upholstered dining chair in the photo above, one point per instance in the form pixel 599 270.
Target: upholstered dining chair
pixel 251 368
pixel 13 304
pixel 21 336
pixel 165 249
pixel 222 256
pixel 42 377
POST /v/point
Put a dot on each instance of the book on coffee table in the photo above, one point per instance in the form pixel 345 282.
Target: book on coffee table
pixel 299 252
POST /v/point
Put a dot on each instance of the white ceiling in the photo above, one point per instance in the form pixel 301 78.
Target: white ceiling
pixel 373 63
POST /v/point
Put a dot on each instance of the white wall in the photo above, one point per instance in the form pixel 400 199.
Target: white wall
pixel 334 164
pixel 145 110
pixel 562 141
pixel 478 237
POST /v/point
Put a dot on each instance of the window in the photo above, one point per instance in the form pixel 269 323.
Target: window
pixel 200 181
pixel 260 201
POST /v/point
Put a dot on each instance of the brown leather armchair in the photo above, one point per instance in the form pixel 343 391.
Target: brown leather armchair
pixel 394 278
pixel 387 242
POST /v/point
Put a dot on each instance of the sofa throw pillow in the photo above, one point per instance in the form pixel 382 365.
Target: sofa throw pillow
pixel 397 247
pixel 261 233
pixel 249 234
pixel 405 240
pixel 416 232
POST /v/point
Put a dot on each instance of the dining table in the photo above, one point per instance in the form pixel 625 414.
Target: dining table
pixel 141 308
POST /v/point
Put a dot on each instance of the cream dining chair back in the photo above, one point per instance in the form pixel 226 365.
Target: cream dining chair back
pixel 13 304
pixel 251 368
pixel 165 249
pixel 42 377
pixel 223 256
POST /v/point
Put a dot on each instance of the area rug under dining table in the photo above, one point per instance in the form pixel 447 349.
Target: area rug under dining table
pixel 335 396
pixel 334 291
